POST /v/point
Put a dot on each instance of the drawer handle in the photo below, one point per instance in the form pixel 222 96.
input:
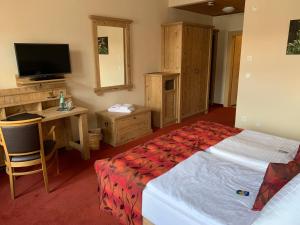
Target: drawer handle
pixel 134 118
pixel 106 124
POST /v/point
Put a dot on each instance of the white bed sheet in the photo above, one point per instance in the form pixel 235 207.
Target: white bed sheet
pixel 256 150
pixel 202 190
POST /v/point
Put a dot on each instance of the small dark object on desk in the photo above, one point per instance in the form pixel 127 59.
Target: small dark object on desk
pixel 23 116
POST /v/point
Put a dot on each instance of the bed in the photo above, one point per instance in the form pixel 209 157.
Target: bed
pixel 123 178
pixel 202 189
pixel 131 176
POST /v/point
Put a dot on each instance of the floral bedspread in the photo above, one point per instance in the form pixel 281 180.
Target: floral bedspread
pixel 122 178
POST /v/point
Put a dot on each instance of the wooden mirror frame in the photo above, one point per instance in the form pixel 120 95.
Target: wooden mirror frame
pixel 112 22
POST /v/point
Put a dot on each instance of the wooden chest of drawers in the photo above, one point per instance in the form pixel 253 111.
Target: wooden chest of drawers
pixel 120 128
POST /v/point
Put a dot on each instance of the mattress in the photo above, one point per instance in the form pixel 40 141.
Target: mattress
pixel 256 150
pixel 202 190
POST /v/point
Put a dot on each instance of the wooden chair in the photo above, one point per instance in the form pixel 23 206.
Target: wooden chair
pixel 25 148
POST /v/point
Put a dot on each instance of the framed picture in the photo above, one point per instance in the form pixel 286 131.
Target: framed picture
pixel 293 47
pixel 103 45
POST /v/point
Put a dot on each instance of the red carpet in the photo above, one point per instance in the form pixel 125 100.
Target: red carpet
pixel 73 199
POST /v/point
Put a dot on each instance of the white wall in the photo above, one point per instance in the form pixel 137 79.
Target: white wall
pixel 269 100
pixel 224 24
pixel 57 21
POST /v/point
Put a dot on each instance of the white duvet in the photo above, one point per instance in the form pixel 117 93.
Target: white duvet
pixel 202 190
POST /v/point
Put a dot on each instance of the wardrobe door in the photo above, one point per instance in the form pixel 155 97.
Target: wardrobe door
pixel 171 47
pixel 203 67
pixel 195 69
pixel 187 86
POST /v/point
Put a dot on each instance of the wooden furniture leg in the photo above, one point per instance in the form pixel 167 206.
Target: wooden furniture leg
pixel 45 175
pixel 11 182
pixel 83 135
pixel 69 134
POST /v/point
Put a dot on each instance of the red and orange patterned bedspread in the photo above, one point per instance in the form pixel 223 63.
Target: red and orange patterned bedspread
pixel 122 178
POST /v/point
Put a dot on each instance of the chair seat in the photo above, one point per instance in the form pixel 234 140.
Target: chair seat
pixel 48 147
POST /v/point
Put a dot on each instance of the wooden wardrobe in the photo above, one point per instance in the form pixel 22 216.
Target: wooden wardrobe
pixel 186 49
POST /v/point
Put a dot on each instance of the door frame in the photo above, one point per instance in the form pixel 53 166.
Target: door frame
pixel 230 55
pixel 213 67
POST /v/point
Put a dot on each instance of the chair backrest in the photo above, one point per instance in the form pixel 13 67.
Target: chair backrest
pixel 21 137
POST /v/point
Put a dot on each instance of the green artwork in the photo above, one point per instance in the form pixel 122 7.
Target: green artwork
pixel 103 45
pixel 293 47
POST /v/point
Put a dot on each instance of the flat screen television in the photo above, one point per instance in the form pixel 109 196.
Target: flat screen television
pixel 43 61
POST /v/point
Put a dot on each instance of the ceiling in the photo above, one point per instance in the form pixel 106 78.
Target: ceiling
pixel 216 9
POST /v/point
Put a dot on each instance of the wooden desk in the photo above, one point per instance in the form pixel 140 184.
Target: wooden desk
pixel 52 116
pixel 37 98
pixel 62 122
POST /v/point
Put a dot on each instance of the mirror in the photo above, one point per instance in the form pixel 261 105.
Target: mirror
pixel 111 37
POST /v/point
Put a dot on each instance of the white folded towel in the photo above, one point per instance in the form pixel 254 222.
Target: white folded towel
pixel 121 108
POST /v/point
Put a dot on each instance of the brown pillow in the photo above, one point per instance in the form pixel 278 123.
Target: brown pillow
pixel 277 175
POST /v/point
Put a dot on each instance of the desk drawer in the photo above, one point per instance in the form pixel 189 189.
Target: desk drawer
pixel 134 121
pixel 132 134
pixel 133 127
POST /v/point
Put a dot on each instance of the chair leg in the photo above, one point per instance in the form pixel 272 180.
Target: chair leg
pixel 12 184
pixel 45 175
pixel 57 163
pixel 15 178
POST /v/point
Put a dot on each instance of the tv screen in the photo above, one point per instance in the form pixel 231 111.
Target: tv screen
pixel 42 59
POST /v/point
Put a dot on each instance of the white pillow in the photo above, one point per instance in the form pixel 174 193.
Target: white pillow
pixel 284 207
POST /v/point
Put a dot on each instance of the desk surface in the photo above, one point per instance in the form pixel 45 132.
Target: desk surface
pixel 52 113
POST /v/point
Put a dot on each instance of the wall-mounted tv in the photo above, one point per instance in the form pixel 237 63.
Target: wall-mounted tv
pixel 42 60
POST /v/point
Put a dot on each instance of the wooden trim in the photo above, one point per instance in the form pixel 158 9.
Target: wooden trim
pixel 20 122
pixel 32 102
pixel 100 91
pixel 96 55
pixel 112 22
pixel 23 154
pixel 109 21
pixel 188 24
pixel 26 173
pixel 208 71
pixel 230 52
pixel 44 87
pixel 26 81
